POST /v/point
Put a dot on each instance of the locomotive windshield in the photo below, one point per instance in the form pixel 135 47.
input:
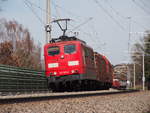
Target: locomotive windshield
pixel 53 51
pixel 69 48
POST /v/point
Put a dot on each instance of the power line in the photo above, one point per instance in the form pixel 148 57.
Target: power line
pixel 144 3
pixel 123 17
pixel 96 43
pixel 43 10
pixel 31 8
pixel 67 11
pixel 140 25
pixel 33 4
pixel 87 34
pixel 56 8
pixel 30 5
pixel 82 24
pixel 119 25
pixel 116 12
pixel 141 7
pixel 78 26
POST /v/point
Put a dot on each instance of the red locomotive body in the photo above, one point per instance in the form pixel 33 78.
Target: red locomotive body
pixel 63 58
pixel 71 64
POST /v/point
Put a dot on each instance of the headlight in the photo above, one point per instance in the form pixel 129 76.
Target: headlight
pixel 52 65
pixel 73 63
pixel 74 71
pixel 55 73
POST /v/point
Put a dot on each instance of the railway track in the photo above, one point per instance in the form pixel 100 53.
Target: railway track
pixel 23 85
pixel 50 95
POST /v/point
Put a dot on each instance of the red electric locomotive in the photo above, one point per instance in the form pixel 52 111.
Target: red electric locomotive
pixel 70 64
pixel 119 84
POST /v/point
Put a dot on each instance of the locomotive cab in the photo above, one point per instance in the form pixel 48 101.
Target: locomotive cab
pixel 63 59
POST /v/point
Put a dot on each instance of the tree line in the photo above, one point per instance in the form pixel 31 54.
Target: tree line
pixel 138 49
pixel 17 47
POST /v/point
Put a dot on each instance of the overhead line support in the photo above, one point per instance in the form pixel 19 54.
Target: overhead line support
pixel 48 21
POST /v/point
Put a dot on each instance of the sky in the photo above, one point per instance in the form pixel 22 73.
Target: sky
pixel 103 24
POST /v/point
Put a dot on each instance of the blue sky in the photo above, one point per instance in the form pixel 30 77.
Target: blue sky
pixel 107 32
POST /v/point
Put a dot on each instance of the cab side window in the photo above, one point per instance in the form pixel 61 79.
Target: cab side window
pixel 89 53
pixel 86 52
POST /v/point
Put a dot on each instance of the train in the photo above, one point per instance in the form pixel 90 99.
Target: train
pixel 72 65
pixel 119 84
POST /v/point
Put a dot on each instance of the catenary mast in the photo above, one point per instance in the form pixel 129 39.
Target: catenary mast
pixel 48 21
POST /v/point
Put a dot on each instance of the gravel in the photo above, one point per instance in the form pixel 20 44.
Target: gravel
pixel 138 102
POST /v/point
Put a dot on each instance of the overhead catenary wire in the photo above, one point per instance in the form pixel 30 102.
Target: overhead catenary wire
pixel 55 6
pixel 42 9
pixel 88 35
pixel 99 43
pixel 141 7
pixel 72 14
pixel 116 12
pixel 32 5
pixel 139 24
pixel 123 17
pixel 115 21
pixel 36 15
pixel 78 26
pixel 69 12
pixel 144 4
pixel 89 19
pixel 94 42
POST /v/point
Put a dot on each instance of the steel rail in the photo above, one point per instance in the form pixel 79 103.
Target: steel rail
pixel 64 95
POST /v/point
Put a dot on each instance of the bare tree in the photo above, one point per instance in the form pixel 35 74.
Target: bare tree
pixel 17 48
pixel 138 49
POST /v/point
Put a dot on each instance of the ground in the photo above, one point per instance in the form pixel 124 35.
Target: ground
pixel 137 102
